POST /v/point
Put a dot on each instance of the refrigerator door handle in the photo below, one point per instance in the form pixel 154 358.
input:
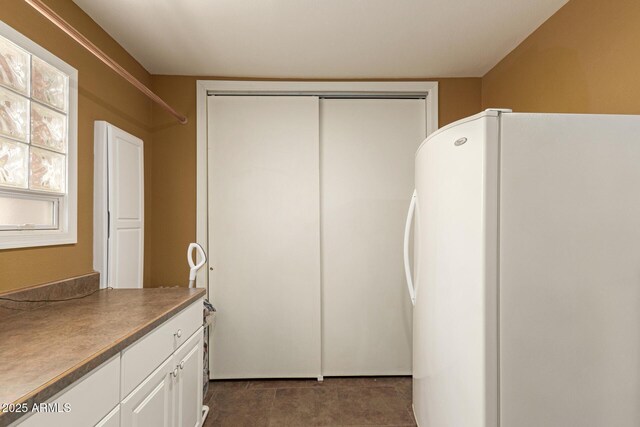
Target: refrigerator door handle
pixel 407 234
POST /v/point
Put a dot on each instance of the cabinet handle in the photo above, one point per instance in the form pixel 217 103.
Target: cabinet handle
pixel 175 372
pixel 178 333
pixel 181 365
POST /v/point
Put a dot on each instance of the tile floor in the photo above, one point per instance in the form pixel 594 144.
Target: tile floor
pixel 361 401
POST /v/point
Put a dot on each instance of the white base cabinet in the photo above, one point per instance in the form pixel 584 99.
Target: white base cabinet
pixel 172 394
pixel 156 382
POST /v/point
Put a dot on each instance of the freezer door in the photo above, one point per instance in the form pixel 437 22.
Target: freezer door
pixel 455 348
pixel 570 271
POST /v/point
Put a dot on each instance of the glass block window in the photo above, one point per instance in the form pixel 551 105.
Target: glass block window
pixel 37 144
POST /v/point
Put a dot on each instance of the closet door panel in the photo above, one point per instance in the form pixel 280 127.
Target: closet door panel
pixel 126 209
pixel 367 175
pixel 264 238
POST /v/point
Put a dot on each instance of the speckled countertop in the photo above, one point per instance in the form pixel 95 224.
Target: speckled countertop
pixel 44 350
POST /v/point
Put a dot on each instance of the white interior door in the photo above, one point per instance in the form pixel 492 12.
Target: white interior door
pixel 264 241
pixel 367 164
pixel 125 172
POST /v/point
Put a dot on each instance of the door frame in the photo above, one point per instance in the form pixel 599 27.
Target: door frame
pixel 204 88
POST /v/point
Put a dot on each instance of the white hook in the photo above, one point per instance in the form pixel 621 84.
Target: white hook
pixel 192 263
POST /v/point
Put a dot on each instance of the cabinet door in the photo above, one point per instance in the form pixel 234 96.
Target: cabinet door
pixel 112 419
pixel 126 209
pixel 188 391
pixel 151 403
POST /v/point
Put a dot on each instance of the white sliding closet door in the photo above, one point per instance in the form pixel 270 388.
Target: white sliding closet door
pixel 367 177
pixel 264 238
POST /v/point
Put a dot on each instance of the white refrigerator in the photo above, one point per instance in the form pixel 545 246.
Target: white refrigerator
pixel 527 272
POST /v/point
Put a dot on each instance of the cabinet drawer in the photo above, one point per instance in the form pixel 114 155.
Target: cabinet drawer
pixel 89 399
pixel 143 357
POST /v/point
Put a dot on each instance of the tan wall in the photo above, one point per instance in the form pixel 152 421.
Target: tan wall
pixel 102 96
pixel 174 167
pixel 173 225
pixel 584 59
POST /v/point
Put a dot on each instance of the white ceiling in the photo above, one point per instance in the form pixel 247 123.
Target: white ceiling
pixel 320 38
